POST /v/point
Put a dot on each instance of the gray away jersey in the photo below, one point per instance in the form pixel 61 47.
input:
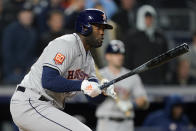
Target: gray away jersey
pixel 67 55
pixel 131 85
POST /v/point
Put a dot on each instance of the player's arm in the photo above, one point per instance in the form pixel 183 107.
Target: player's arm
pixel 134 98
pixel 56 62
pixel 141 102
pixel 52 80
pixel 139 94
pixel 96 77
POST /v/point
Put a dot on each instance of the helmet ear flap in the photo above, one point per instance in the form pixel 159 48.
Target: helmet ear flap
pixel 86 30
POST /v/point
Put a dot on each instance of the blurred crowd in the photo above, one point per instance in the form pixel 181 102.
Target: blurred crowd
pixel 27 26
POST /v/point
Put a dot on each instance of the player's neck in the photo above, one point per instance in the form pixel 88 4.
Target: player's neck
pixel 115 70
pixel 85 44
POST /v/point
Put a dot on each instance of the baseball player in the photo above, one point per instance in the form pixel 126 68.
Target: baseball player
pixel 117 115
pixel 64 68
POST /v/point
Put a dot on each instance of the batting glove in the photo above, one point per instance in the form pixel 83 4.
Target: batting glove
pixel 90 88
pixel 110 90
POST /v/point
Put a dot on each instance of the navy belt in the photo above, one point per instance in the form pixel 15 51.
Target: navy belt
pixel 22 89
pixel 117 119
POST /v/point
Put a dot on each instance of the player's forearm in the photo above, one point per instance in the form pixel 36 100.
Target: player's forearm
pixel 52 80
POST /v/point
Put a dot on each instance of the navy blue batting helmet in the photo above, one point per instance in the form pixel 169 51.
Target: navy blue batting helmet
pixel 88 17
pixel 115 47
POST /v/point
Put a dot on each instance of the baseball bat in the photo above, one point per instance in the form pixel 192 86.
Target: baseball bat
pixel 155 62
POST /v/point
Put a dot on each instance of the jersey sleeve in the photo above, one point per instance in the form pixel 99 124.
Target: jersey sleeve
pixel 58 55
pixel 138 88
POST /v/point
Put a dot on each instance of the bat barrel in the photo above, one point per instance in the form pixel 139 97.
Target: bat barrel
pixel 163 58
pixel 157 61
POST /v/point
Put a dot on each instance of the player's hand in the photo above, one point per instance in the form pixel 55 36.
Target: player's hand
pixel 110 90
pixel 90 88
pixel 124 105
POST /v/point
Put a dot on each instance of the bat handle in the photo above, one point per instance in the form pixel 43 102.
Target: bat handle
pixel 107 84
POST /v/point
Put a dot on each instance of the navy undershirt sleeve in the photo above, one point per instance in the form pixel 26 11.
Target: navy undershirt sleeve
pixel 96 100
pixel 52 80
pixel 93 80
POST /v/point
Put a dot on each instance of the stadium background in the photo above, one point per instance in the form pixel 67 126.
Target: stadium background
pixel 176 20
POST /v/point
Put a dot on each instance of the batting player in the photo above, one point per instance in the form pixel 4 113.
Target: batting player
pixel 64 68
pixel 117 115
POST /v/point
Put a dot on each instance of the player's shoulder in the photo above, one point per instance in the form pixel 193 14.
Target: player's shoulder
pixel 67 40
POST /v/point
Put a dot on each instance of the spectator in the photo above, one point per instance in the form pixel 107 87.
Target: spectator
pixel 145 43
pixel 38 5
pixel 11 9
pixel 125 17
pixel 19 42
pixel 56 29
pixel 42 17
pixel 182 76
pixel 171 118
pixel 72 12
pixel 108 5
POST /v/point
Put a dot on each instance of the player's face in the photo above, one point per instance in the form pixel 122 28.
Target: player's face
pixel 97 36
pixel 115 60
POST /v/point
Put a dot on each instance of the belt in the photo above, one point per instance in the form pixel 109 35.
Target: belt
pixel 117 119
pixel 22 89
